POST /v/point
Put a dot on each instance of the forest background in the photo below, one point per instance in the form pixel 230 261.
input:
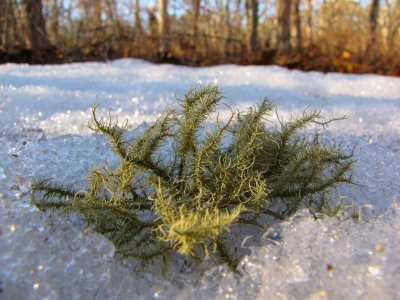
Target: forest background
pixel 327 35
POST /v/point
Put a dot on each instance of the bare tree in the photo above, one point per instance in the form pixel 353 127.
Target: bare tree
pixel 112 16
pixel 238 14
pixel 138 20
pixel 297 25
pixel 210 31
pixel 394 25
pixel 373 16
pixel 152 20
pixel 97 19
pixel 12 33
pixel 4 13
pixel 196 14
pixel 55 20
pixel 97 13
pixel 228 27
pixel 247 11
pixel 254 26
pixel 37 28
pixel 163 28
pixel 309 22
pixel 283 30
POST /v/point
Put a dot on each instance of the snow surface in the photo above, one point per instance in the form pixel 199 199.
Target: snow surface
pixel 44 111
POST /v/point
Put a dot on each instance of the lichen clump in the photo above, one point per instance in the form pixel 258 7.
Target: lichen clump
pixel 186 198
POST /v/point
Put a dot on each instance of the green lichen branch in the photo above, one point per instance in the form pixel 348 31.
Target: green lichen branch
pixel 186 199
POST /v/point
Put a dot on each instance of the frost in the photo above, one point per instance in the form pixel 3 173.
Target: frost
pixel 2 174
pixel 55 257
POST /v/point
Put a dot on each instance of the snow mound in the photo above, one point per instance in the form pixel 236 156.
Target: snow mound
pixel 44 111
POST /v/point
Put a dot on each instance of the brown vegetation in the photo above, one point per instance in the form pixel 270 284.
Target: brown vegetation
pixel 330 35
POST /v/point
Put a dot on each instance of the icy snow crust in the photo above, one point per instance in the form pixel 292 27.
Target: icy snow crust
pixel 44 112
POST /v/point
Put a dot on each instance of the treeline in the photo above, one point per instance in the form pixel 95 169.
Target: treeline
pixel 330 35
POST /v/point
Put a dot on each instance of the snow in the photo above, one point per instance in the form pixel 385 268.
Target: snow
pixel 44 111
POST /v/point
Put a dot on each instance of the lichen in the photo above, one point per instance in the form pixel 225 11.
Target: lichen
pixel 186 199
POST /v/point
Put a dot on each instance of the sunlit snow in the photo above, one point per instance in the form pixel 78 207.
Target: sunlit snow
pixel 44 112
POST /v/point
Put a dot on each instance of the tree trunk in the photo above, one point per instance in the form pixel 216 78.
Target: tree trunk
pixel 37 28
pixel 4 13
pixel 284 26
pixel 112 17
pixel 20 31
pixel 373 17
pixel 274 39
pixel 20 14
pixel 228 31
pixel 152 21
pixel 254 26
pixel 297 25
pixel 138 20
pixel 55 20
pixel 95 17
pixel 195 24
pixel 196 14
pixel 97 13
pixel 238 14
pixel 163 29
pixel 309 25
pixel 247 10
pixel 394 26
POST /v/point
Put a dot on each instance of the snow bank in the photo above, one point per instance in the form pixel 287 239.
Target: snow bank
pixel 44 112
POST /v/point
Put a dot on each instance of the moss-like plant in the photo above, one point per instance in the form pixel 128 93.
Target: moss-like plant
pixel 186 198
